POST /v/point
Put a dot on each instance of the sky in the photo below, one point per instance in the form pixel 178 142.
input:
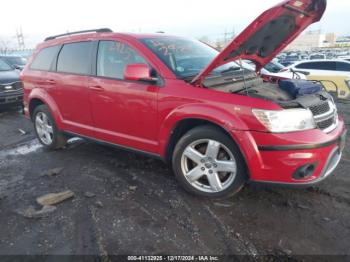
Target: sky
pixel 196 18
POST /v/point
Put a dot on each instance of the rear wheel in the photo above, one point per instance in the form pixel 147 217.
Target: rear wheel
pixel 46 129
pixel 208 163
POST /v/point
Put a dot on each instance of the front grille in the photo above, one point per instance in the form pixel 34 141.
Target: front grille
pixel 11 99
pixel 326 123
pixel 11 93
pixel 320 108
pixel 11 87
pixel 325 115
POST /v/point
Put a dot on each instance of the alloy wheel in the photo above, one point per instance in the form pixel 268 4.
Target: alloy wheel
pixel 208 165
pixel 44 128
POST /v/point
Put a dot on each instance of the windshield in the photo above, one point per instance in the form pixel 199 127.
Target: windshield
pixel 20 61
pixel 4 66
pixel 274 67
pixel 186 57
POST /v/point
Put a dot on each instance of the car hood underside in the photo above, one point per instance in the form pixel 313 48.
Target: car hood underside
pixel 269 34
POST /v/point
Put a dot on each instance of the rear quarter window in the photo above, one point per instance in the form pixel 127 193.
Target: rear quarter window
pixel 75 58
pixel 44 59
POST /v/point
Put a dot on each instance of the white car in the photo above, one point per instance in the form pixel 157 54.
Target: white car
pixel 317 56
pixel 346 57
pixel 275 71
pixel 323 67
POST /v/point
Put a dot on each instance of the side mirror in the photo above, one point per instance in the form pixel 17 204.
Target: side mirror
pixel 139 72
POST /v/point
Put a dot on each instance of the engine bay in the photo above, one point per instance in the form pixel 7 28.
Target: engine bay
pixel 248 83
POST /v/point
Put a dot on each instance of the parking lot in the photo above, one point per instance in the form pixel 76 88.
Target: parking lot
pixel 128 204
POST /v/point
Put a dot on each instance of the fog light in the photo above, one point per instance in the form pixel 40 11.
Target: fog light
pixel 304 171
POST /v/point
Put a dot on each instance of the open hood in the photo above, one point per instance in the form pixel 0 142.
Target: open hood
pixel 269 34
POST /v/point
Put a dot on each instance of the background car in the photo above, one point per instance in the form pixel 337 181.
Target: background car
pixel 347 58
pixel 11 91
pixel 17 62
pixel 290 59
pixel 275 71
pixel 323 67
pixel 317 56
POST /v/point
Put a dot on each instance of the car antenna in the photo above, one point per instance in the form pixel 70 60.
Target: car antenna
pixel 243 74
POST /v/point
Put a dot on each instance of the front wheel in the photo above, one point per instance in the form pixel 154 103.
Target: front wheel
pixel 208 163
pixel 46 129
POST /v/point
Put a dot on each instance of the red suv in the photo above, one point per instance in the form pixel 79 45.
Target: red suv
pixel 180 100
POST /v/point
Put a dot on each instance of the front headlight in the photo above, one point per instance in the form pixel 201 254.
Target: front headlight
pixel 288 120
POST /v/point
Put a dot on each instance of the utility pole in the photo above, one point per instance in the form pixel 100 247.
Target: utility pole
pixel 20 39
pixel 228 36
pixel 225 37
pixel 233 33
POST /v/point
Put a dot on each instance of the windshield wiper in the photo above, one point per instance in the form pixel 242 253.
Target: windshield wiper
pixel 188 78
pixel 240 90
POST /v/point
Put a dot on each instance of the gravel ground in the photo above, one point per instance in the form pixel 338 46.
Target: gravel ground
pixel 128 204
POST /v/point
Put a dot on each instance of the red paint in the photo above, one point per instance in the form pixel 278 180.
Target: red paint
pixel 142 115
pixel 135 72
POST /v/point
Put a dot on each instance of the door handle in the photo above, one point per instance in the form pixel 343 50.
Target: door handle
pixel 97 88
pixel 50 82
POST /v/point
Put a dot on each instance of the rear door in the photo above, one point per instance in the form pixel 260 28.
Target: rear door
pixel 38 73
pixel 71 93
pixel 124 112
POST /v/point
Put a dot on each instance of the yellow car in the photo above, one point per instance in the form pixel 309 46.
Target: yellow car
pixel 340 85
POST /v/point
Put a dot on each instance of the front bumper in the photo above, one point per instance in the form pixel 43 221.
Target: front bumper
pixel 13 97
pixel 277 158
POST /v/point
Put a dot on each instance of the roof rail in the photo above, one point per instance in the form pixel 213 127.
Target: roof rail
pixel 101 30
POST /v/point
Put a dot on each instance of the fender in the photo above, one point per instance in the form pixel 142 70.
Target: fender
pixel 41 94
pixel 221 117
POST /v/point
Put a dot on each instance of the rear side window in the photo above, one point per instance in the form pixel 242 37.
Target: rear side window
pixel 44 59
pixel 75 58
pixel 343 66
pixel 318 66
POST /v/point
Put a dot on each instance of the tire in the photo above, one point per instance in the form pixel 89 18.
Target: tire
pixel 46 129
pixel 219 162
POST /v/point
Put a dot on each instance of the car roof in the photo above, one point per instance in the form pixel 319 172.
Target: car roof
pixel 92 36
pixel 320 60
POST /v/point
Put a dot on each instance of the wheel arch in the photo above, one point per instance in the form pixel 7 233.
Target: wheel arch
pixel 39 97
pixel 34 103
pixel 185 125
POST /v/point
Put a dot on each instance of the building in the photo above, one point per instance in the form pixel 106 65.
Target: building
pixel 343 41
pixel 311 40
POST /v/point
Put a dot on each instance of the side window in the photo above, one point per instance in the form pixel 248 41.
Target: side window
pixel 113 57
pixel 45 58
pixel 75 58
pixel 343 66
pixel 317 66
pixel 331 66
pixel 306 66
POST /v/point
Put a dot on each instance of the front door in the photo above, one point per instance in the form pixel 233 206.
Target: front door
pixel 124 112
